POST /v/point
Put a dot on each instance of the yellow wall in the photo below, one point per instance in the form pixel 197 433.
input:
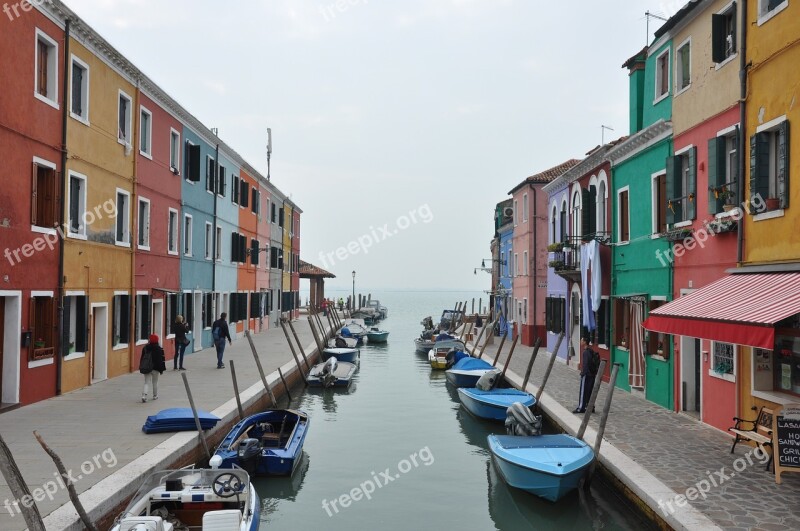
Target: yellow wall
pixel 98 266
pixel 712 91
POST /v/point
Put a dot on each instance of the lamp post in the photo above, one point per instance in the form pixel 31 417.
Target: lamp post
pixel 354 292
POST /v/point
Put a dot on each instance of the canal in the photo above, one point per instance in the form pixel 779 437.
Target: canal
pixel 408 457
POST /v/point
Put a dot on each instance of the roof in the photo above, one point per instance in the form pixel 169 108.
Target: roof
pixel 547 175
pixel 595 157
pixel 640 56
pixel 311 271
pixel 677 18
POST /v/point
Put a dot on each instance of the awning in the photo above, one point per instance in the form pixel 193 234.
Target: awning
pixel 739 309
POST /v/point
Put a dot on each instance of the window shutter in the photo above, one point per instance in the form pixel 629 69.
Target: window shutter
pixel 32 322
pixel 673 187
pixel 234 247
pixel 783 164
pixel 245 195
pixel 562 315
pixel 254 252
pixel 34 194
pixel 718 38
pixel 193 161
pixel 81 324
pixel 65 328
pixel 584 213
pixel 147 324
pixel 759 166
pixel 235 190
pixel 716 172
pixel 125 319
pixel 222 176
pixel 691 184
pixel 548 303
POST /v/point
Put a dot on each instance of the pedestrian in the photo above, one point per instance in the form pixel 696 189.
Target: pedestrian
pixel 341 304
pixel 151 365
pixel 180 329
pixel 587 377
pixel 220 332
pixel 325 307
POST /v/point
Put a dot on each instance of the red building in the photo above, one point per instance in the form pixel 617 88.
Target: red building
pixel 32 111
pixel 263 232
pixel 249 206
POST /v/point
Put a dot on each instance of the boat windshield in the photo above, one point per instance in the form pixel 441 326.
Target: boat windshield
pixel 179 480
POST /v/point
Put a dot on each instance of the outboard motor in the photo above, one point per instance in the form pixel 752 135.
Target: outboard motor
pixel 489 380
pixel 520 421
pixel 340 342
pixel 327 376
pixel 248 455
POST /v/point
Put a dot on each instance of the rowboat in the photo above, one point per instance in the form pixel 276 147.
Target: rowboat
pixel 492 404
pixel 349 355
pixel 377 336
pixel 467 371
pixel 332 373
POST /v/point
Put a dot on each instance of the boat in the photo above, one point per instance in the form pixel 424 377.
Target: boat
pixel 450 320
pixel 202 498
pixel 353 329
pixel 549 466
pixel 492 404
pixel 365 314
pixel 466 372
pixel 332 373
pixel 423 345
pixel 444 353
pixel 383 311
pixel 342 342
pixel 376 335
pixel 269 443
pixel 349 355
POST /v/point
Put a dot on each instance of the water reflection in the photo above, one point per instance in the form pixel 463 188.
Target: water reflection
pixel 275 491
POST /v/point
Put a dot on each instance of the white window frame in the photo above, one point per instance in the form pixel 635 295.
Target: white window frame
pixel 148 153
pixel 727 377
pixel 114 316
pixel 188 227
pixel 656 96
pixel 73 324
pixel 125 215
pixel 146 245
pixel 210 178
pixel 516 209
pixel 516 264
pixel 725 11
pixel 209 240
pixel 173 231
pixel 126 141
pixel 525 263
pixel 679 67
pixel 525 208
pixel 772 127
pixel 619 216
pixel 218 237
pixel 174 151
pixel 764 15
pixel 601 201
pixel 52 69
pixel 82 118
pixel 51 165
pixel 81 234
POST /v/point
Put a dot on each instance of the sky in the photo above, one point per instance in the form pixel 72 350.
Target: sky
pixel 397 126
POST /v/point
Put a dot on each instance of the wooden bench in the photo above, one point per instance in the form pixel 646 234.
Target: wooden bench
pixel 759 433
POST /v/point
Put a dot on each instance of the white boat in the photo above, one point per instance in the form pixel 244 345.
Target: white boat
pixel 202 498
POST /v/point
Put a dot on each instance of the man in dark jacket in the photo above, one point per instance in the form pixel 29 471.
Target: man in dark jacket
pixel 152 365
pixel 220 332
pixel 587 378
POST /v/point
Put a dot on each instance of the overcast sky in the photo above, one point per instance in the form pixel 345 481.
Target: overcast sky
pixel 381 109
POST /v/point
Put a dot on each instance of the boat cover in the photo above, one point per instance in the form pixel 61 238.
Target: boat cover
pixel 178 419
pixel 558 454
pixel 471 364
pixel 500 397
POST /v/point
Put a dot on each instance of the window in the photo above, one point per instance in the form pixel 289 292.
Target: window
pixel 124 124
pixel 602 333
pixel 769 8
pixel 75 317
pixel 622 319
pixel 516 264
pixel 210 175
pixel 121 321
pixel 146 133
pixel 46 83
pixel 187 235
pixel 272 216
pixel 172 235
pixel 255 305
pixel 254 248
pixel 79 90
pixel 662 75
pixel 280 217
pixel 577 219
pixel 769 163
pixel 235 188
pixel 659 194
pixel 723 170
pixel 682 185
pixel 77 204
pixel 524 208
pixel 208 310
pixel 45 192
pixel 123 234
pixel 563 222
pixel 553 225
pixel 602 207
pixel 723 34
pixel 172 311
pixel 273 257
pixel 588 212
pixel 623 230
pixel 555 314
pixel 238 248
pixel 723 361
pixel 208 240
pixel 516 209
pixel 143 318
pixel 143 237
pixel 188 308
pixel 41 322
pixel 192 162
pixel 221 182
pixel 244 196
pixel 525 263
pixel 174 151
pixel 657 343
pixel 255 204
pixel 219 244
pixel 683 66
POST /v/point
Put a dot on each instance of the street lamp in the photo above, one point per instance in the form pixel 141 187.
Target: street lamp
pixel 354 291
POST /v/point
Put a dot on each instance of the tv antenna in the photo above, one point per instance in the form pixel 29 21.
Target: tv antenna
pixel 602 134
pixel 269 148
pixel 648 15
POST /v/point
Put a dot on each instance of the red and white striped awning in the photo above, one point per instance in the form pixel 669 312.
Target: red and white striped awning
pixel 741 309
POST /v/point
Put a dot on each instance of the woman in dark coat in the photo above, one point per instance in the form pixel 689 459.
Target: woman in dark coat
pixel 152 365
pixel 180 329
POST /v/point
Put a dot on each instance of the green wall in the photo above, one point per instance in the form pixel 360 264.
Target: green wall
pixel 651 113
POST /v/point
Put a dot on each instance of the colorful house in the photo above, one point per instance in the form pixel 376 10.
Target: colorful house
pixel 503 288
pixel 557 303
pixel 276 214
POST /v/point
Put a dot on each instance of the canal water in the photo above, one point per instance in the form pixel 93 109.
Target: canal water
pixel 407 456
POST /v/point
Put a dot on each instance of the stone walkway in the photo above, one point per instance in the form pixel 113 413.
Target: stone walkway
pixel 679 452
pixel 97 430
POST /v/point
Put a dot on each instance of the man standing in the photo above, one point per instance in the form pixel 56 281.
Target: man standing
pixel 587 378
pixel 220 332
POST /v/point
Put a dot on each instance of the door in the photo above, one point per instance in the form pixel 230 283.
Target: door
pixel 690 375
pixel 157 320
pixel 98 343
pixel 576 317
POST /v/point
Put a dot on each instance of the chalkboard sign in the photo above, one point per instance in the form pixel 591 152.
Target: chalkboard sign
pixel 786 433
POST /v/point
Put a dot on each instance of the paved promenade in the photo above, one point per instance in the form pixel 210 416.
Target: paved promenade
pixel 661 455
pixel 97 430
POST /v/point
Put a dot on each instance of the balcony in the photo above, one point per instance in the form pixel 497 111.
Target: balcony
pixel 565 257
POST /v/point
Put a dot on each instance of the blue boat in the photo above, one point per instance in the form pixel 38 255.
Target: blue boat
pixel 548 466
pixel 332 373
pixel 269 443
pixel 467 371
pixel 492 404
pixel 375 335
pixel 349 355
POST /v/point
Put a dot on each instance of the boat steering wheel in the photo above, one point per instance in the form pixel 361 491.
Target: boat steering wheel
pixel 226 485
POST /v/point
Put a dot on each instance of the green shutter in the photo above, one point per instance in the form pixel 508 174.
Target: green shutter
pixel 759 167
pixel 672 189
pixel 691 184
pixel 65 321
pixel 548 313
pixel 716 169
pixel 585 214
pixel 783 164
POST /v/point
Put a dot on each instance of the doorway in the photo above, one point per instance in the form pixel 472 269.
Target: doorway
pixel 157 320
pixel 10 326
pixel 575 323
pixel 690 376
pixel 98 348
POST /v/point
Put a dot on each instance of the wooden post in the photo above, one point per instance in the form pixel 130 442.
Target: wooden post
pixel 598 378
pixel 285 386
pixel 291 347
pixel 30 512
pixel 530 363
pixel 73 494
pixel 480 306
pixel 510 353
pixel 499 350
pixel 549 366
pixel 314 332
pixel 473 305
pixel 478 340
pixel 601 429
pixel 196 418
pixel 236 391
pixel 488 336
pixel 261 369
pixel 296 338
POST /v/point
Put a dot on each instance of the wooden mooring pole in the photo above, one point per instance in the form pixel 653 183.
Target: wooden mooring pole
pixel 18 487
pixel 530 363
pixel 261 369
pixel 549 367
pixel 236 391
pixel 499 350
pixel 601 429
pixel 488 337
pixel 196 418
pixel 598 378
pixel 285 386
pixel 510 353
pixel 299 345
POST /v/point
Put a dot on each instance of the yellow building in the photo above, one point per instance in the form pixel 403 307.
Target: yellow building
pixel 102 139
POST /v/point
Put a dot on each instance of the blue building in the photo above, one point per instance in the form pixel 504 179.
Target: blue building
pixel 504 224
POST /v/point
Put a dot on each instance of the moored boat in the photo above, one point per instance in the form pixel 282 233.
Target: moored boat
pixel 331 373
pixel 423 345
pixel 376 335
pixel 492 404
pixel 269 443
pixel 194 499
pixel 349 355
pixel 342 342
pixel 467 371
pixel 443 353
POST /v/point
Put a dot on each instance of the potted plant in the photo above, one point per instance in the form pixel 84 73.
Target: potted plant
pixel 660 349
pixel 555 247
pixel 556 264
pixel 39 343
pixel 71 347
pixel 773 203
pixel 723 367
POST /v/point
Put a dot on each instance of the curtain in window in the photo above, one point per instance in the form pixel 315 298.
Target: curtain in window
pixel 636 367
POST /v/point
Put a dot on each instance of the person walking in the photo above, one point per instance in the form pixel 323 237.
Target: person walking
pixel 180 329
pixel 220 332
pixel 152 365
pixel 587 377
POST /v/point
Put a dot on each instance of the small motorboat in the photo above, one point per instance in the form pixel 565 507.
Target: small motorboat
pixel 423 345
pixel 354 330
pixel 376 335
pixel 383 311
pixel 193 499
pixel 466 372
pixel 548 466
pixel 269 443
pixel 332 373
pixel 349 355
pixel 443 353
pixel 342 342
pixel 488 401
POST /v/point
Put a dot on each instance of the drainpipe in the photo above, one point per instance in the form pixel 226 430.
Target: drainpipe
pixel 133 233
pixel 214 245
pixel 742 139
pixel 61 290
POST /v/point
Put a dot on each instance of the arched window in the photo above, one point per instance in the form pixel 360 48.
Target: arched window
pixel 601 207
pixel 575 232
pixel 563 221
pixel 553 224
